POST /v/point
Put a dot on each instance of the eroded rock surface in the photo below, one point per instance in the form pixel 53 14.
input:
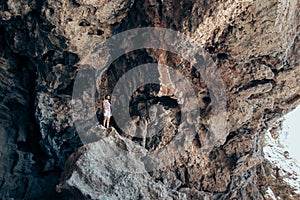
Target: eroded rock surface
pixel 111 168
pixel 43 45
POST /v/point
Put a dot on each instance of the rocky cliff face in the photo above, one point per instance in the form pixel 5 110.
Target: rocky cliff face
pixel 44 44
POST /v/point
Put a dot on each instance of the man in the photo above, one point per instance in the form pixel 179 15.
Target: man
pixel 107 111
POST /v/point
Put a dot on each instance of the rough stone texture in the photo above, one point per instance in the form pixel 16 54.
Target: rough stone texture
pixel 255 46
pixel 279 173
pixel 98 176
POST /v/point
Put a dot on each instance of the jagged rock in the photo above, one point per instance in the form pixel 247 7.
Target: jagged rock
pixel 43 46
pixel 111 168
pixel 280 168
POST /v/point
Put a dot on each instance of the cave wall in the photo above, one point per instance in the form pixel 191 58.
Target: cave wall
pixel 255 46
pixel 28 66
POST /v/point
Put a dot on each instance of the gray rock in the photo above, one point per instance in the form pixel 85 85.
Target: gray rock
pixel 111 168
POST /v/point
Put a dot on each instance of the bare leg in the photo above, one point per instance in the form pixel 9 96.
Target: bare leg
pixel 107 122
pixel 104 121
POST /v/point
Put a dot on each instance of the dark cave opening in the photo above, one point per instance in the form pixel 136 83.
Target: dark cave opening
pixel 142 100
pixel 24 114
pixel 144 97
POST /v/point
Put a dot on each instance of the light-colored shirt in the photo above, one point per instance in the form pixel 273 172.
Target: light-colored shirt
pixel 106 105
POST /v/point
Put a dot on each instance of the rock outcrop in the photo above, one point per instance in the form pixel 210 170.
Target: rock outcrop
pixel 44 45
pixel 103 171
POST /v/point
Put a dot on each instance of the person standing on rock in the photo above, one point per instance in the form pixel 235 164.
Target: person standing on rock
pixel 107 111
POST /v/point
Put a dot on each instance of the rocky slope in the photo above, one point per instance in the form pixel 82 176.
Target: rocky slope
pixel 44 45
